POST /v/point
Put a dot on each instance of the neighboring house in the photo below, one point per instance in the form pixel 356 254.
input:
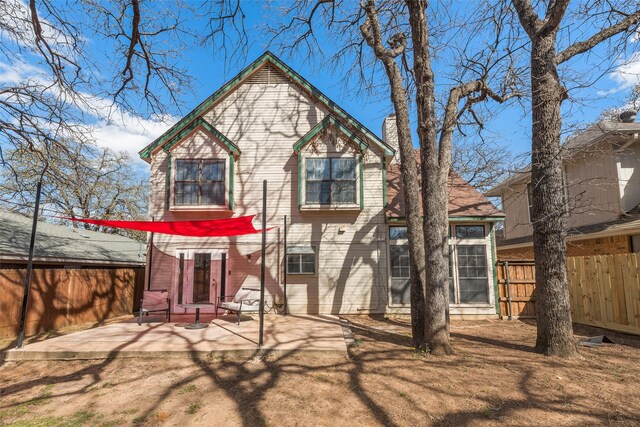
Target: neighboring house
pixel 333 179
pixel 59 246
pixel 602 188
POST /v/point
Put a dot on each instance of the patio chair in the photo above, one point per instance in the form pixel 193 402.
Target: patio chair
pixel 246 300
pixel 154 302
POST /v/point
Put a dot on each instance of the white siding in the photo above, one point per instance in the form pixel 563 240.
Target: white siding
pixel 516 208
pixel 265 121
pixel 628 164
pixel 592 188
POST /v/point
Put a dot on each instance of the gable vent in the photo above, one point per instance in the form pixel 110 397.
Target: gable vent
pixel 268 75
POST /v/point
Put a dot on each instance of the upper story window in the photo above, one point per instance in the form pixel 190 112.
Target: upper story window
pixel 330 181
pixel 200 182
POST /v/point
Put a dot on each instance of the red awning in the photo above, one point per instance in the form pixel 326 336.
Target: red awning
pixel 204 228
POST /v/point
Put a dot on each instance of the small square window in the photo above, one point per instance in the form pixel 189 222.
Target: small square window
pixel 200 182
pixel 301 260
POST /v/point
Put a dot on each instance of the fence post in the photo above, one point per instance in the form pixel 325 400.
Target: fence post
pixel 506 277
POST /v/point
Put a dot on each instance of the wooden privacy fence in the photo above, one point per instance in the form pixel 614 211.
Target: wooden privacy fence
pixel 60 297
pixel 604 290
pixel 516 288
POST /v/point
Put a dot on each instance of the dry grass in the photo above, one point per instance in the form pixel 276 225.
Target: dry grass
pixel 494 379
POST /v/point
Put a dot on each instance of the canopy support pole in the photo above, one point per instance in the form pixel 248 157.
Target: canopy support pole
pixel 27 278
pixel 285 265
pixel 150 262
pixel 263 264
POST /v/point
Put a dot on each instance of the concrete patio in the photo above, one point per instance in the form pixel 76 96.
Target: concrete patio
pixel 322 335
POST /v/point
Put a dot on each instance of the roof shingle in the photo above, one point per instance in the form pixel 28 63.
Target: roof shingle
pixel 62 243
pixel 464 199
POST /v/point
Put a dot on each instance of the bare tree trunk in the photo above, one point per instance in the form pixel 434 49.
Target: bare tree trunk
pixel 408 170
pixel 409 173
pixel 553 311
pixel 435 169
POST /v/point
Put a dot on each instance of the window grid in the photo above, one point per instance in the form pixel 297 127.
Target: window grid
pixel 468 266
pixel 301 264
pixel 330 181
pixel 200 182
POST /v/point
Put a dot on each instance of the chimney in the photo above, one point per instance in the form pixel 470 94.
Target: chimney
pixel 390 135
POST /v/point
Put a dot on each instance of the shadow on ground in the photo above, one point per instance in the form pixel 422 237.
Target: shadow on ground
pixel 493 378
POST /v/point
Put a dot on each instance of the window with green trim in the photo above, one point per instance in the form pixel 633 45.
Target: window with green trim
pixel 330 181
pixel 469 265
pixel 200 182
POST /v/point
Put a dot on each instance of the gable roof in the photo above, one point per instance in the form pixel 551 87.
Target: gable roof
pixel 464 199
pixel 59 243
pixel 578 143
pixel 266 57
pixel 325 123
pixel 200 122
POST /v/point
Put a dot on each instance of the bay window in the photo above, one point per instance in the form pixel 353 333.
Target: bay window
pixel 469 250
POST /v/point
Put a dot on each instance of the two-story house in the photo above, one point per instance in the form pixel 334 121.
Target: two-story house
pixel 602 192
pixel 333 179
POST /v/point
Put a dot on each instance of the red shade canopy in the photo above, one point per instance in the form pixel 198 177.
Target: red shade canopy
pixel 204 228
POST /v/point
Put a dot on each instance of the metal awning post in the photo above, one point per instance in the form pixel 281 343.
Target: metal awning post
pixel 263 264
pixel 27 279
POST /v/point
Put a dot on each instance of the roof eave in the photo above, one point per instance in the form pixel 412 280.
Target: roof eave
pixel 146 152
pixel 325 123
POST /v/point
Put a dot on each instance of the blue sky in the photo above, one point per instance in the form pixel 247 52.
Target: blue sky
pixel 509 126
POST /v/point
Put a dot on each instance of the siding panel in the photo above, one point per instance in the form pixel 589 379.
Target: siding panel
pixel 265 121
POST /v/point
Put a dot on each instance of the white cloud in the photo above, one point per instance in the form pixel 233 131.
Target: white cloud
pixel 625 76
pixel 15 20
pixel 130 134
pixel 18 72
pixel 107 124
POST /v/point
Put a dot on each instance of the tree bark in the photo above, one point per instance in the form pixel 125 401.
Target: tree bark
pixel 434 188
pixel 553 311
pixel 408 169
pixel 409 174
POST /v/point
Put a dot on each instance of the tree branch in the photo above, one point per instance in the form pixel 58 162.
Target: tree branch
pixel 528 17
pixel 602 35
pixel 371 32
pixel 555 13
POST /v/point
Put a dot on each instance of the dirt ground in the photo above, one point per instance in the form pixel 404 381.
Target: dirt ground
pixel 494 379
